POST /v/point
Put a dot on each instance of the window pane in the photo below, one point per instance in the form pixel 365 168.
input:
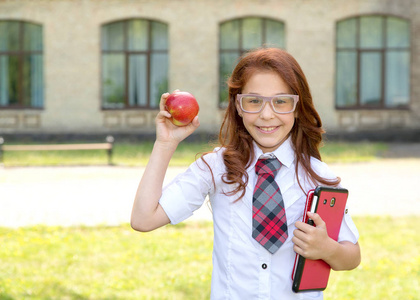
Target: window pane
pixel 252 33
pixel 346 84
pixel 370 78
pixel 4 80
pixel 398 32
pixel 159 36
pixel 113 80
pixel 229 35
pixel 4 35
pixel 9 36
pixel 274 34
pixel 397 88
pixel 33 92
pixel 371 32
pixel 32 37
pixel 158 77
pixel 347 33
pixel 9 80
pixel 137 82
pixel 113 36
pixel 138 35
pixel 227 63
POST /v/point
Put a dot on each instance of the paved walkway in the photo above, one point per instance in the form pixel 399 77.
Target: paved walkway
pixel 104 195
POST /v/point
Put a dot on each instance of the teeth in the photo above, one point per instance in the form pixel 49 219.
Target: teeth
pixel 267 128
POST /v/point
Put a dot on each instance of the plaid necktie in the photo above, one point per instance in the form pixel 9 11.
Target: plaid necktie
pixel 269 224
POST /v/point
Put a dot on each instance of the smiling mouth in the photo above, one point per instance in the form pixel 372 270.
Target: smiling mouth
pixel 267 129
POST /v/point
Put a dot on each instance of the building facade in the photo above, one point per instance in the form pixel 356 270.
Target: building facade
pixel 99 67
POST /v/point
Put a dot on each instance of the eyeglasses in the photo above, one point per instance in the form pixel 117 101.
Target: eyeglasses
pixel 281 104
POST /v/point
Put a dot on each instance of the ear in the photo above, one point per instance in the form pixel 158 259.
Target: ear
pixel 238 108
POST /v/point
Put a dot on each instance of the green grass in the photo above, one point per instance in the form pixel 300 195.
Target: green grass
pixel 138 154
pixel 174 262
pixel 345 152
pixel 390 266
pixel 105 263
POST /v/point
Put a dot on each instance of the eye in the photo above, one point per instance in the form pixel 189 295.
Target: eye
pixel 279 101
pixel 283 100
pixel 252 100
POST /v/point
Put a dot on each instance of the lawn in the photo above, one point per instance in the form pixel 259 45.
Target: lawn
pixel 137 154
pixel 174 262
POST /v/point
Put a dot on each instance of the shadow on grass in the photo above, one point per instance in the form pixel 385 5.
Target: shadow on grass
pixel 6 297
pixel 52 292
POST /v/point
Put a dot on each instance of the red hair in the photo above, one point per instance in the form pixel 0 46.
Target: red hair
pixel 306 133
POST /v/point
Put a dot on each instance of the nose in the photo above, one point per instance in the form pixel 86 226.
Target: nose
pixel 267 112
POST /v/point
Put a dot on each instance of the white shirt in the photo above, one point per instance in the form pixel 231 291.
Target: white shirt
pixel 242 268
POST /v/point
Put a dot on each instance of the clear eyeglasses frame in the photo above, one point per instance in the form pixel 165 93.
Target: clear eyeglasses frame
pixel 281 104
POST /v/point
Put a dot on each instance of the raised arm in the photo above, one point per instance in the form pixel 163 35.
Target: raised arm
pixel 147 214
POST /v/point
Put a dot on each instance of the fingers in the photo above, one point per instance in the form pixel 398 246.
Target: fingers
pixel 302 243
pixel 317 220
pixel 163 115
pixel 303 226
pixel 163 101
pixel 190 128
pixel 299 250
pixel 309 240
pixel 195 122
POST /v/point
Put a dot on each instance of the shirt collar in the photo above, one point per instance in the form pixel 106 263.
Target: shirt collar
pixel 284 153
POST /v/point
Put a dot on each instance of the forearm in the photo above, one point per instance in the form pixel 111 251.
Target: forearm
pixel 342 256
pixel 147 213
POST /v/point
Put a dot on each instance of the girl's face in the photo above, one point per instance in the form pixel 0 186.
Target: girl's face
pixel 268 129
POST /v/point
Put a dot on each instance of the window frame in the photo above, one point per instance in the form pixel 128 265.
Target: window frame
pixel 20 54
pixel 241 50
pixel 383 51
pixel 127 53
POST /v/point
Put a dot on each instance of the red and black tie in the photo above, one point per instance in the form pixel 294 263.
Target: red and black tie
pixel 269 224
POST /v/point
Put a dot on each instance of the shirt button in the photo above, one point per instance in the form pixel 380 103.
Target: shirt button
pixel 264 266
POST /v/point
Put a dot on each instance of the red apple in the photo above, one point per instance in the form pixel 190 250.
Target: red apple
pixel 183 108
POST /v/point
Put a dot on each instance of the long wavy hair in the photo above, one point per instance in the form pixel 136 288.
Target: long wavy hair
pixel 306 133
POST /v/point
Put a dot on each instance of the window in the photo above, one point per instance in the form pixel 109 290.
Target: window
pixel 21 65
pixel 134 63
pixel 241 35
pixel 373 62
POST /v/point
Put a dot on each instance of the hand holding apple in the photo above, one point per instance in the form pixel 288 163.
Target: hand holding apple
pixel 183 108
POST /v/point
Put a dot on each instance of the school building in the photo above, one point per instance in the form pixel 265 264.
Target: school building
pixel 98 67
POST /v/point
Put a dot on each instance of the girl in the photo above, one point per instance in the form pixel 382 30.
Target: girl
pixel 270 114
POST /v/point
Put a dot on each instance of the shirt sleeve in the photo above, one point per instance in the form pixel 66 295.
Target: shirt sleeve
pixel 187 191
pixel 348 230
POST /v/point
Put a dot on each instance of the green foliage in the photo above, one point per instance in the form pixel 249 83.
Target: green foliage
pixel 174 262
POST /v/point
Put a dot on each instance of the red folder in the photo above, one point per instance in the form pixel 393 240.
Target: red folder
pixel 330 204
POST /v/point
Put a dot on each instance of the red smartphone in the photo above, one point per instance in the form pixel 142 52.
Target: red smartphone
pixel 330 204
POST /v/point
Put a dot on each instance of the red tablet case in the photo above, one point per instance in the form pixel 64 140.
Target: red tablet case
pixel 312 275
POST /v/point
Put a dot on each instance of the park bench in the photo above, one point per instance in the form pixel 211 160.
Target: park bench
pixel 108 145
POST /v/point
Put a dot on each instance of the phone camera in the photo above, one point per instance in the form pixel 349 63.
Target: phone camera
pixel 332 203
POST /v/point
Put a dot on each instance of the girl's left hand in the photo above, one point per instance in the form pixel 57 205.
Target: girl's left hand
pixel 312 242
